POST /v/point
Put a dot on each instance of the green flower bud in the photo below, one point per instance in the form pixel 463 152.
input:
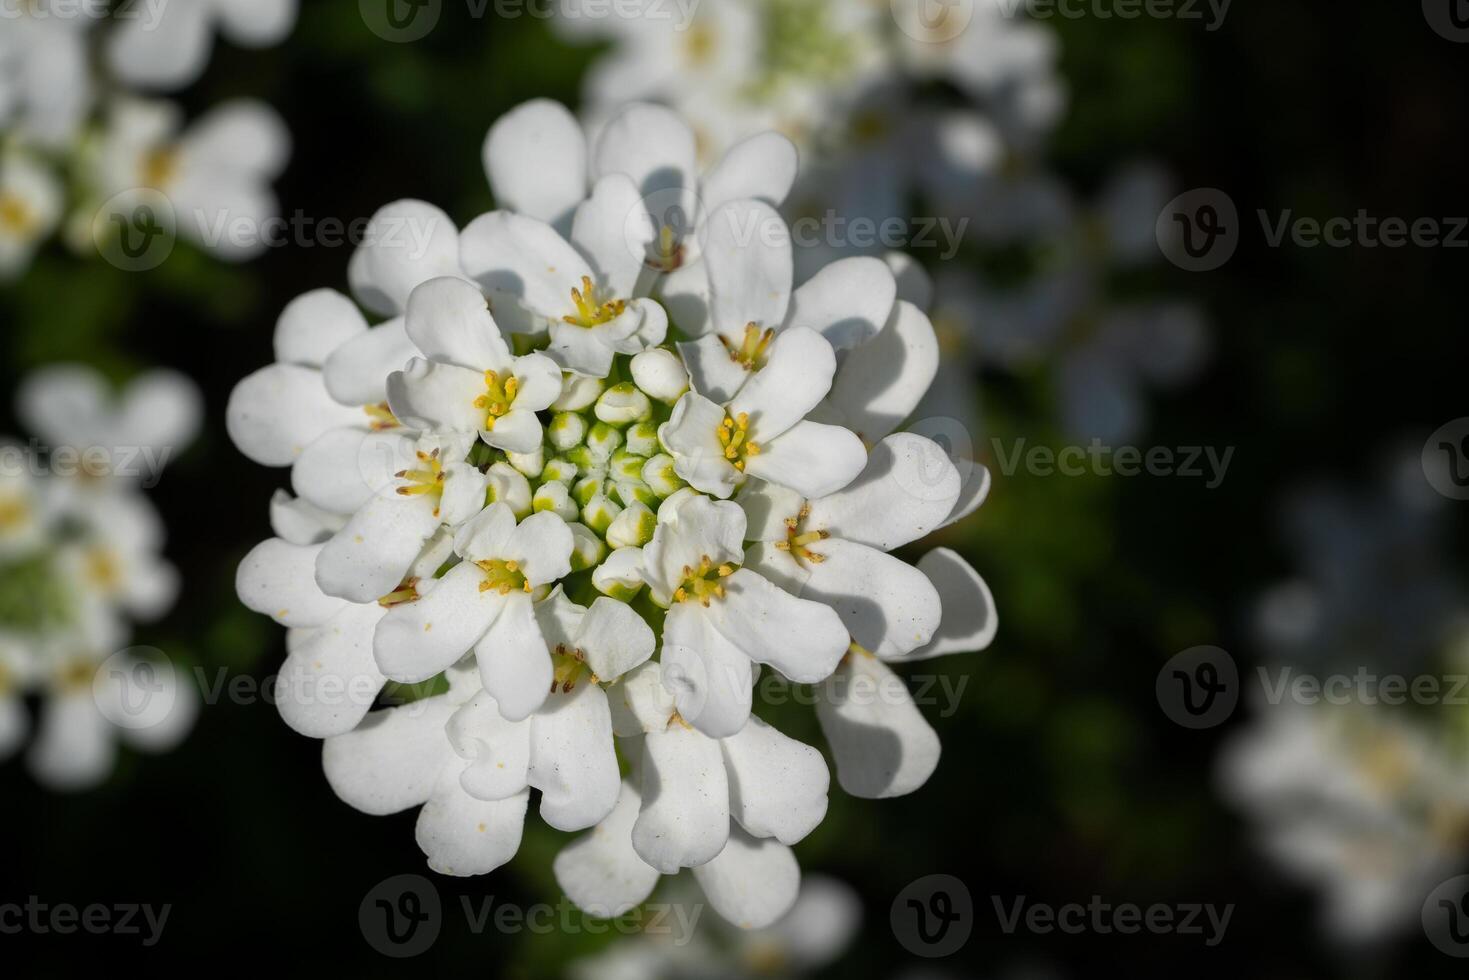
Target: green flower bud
pixel 600 512
pixel 625 466
pixel 530 464
pixel 661 374
pixel 567 429
pixel 623 404
pixel 584 490
pixel 559 470
pixel 618 576
pixel 557 499
pixel 588 550
pixel 603 440
pixel 658 474
pixel 633 528
pixel 642 439
pixel 629 492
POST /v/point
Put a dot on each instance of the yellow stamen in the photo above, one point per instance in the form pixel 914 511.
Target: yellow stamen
pixel 799 542
pixel 405 593
pixel 498 397
pixel 734 436
pixel 750 354
pixel 570 663
pixel 591 311
pixel 15 513
pixel 702 584
pixel 160 166
pixel 428 481
pixel 102 569
pixel 700 43
pixel 76 675
pixel 502 576
pixel 381 417
pixel 16 215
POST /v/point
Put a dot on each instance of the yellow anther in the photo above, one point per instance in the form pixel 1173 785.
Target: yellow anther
pixel 160 167
pixel 591 311
pixel 76 675
pixel 381 417
pixel 750 354
pixel 16 215
pixel 798 542
pixel 502 576
pixel 498 398
pixel 569 664
pixel 702 584
pixel 15 513
pixel 102 570
pixel 734 436
pixel 427 481
pixel 406 592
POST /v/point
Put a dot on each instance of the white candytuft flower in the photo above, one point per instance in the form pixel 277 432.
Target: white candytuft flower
pixel 517 491
pixel 169 49
pixel 80 561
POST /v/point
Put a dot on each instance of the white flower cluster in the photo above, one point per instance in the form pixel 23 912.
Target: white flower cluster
pixel 65 152
pixel 588 479
pixel 80 561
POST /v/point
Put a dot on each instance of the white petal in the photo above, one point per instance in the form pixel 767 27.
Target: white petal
pixel 685 817
pixel 166 52
pixel 777 785
pixel 614 638
pixel 368 558
pixel 536 159
pixel 256 23
pixel 463 836
pixel 450 322
pixel 712 372
pixel 794 380
pixel 767 507
pixel 342 470
pixel 803 640
pixel 437 397
pixel 498 751
pixel 711 679
pixel 279 580
pixel 391 761
pixel 517 431
pixel 652 145
pixel 889 607
pixel 542 544
pixel 811 458
pixel 301 522
pixel 313 325
pixel 405 243
pixel 278 411
pixel 881 744
pixel 330 679
pixel 600 871
pixel 748 256
pixel 695 529
pixel 239 138
pixel 357 372
pixel 514 664
pixel 417 640
pixel 613 231
pixel 976 489
pixel 639 702
pixel 580 350
pixel 847 302
pixel 573 762
pixel 684 293
pixel 882 381
pixel 762 168
pixel 907 489
pixel 969 620
pixel 75 745
pixel 691 435
pixel 526 258
pixel 540 382
pixel 752 883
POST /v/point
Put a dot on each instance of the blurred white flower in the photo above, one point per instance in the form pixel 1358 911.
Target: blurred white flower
pixel 166 46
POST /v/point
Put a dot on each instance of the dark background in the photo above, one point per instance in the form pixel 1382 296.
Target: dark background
pixel 1061 778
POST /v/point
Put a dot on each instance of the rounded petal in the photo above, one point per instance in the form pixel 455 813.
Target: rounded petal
pixel 652 145
pixel 748 257
pixel 777 785
pixel 600 871
pixel 811 458
pixel 536 159
pixel 761 168
pixel 275 413
pixel 752 883
pixel 711 679
pixel 801 639
pixel 330 680
pixel 882 381
pixel 685 817
pixel 368 558
pixel 970 620
pixel 75 745
pixel 357 372
pixel 613 231
pixel 463 836
pixel 450 322
pixel 391 761
pixel 848 302
pixel 907 489
pixel 278 579
pixel 879 739
pixel 405 243
pixel 526 258
pixel 572 761
pixel 514 664
pixel 313 325
pixel 436 397
pixel 614 639
pixel 796 377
